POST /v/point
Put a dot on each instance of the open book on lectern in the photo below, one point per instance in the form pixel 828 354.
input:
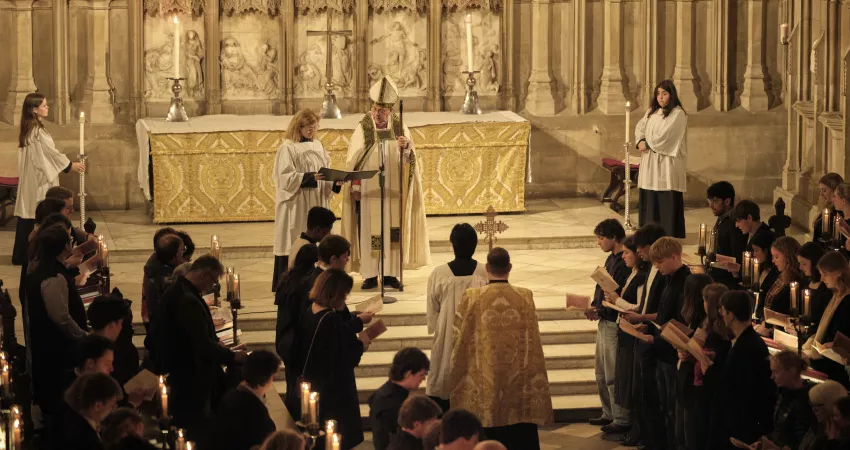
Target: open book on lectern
pixel 341 175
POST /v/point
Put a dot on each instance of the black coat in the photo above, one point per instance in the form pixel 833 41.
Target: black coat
pixel 50 346
pixel 155 282
pixel 730 242
pixel 383 412
pixel 195 356
pixel 820 299
pixel 78 434
pixel 840 323
pixel 745 397
pixel 403 440
pixel 793 417
pixel 241 422
pixel 616 267
pixel 670 308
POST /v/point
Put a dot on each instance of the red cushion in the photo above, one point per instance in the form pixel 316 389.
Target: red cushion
pixel 8 181
pixel 611 162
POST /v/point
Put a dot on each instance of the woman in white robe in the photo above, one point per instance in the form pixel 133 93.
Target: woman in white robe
pixel 662 137
pixel 298 185
pixel 39 166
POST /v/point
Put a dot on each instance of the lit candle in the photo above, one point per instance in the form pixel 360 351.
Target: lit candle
pixel 314 407
pixel 756 273
pixel 82 133
pixel 746 260
pixel 189 445
pixel 336 440
pixel 701 244
pixel 807 298
pixel 305 405
pixel 17 434
pixel 104 256
pixel 794 289
pixel 181 441
pixel 237 290
pixel 468 21
pixel 7 386
pixel 836 229
pixel 164 401
pixel 711 247
pixel 228 279
pixel 330 430
pixel 825 222
pixel 176 47
pixel 628 123
pixel 783 33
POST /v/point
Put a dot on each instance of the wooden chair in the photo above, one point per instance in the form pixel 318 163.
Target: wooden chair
pixel 616 187
pixel 8 197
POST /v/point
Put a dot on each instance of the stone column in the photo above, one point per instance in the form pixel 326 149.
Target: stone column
pixel 539 100
pixel 287 60
pixel 720 88
pixel 60 109
pixel 212 78
pixel 506 75
pixel 361 77
pixel 683 73
pixel 435 55
pixel 832 56
pixel 97 97
pixel 22 82
pixel 754 94
pixel 612 96
pixel 136 15
pixel 580 41
pixel 651 43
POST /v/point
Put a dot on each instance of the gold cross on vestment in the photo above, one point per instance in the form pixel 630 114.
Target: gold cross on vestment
pixel 328 60
pixel 489 227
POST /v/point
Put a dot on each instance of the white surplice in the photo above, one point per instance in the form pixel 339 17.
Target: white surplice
pixel 364 154
pixel 292 161
pixel 444 293
pixel 662 168
pixel 40 164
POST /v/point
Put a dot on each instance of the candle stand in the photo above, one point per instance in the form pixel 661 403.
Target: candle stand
pixel 627 221
pixel 165 429
pixel 83 159
pixel 470 101
pixel 802 326
pixel 235 306
pixel 311 432
pixel 176 112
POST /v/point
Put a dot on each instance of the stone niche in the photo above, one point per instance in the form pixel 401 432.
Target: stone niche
pixel 249 59
pixel 486 52
pixel 310 64
pixel 159 61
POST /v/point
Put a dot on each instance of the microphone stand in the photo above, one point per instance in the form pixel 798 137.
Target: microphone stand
pixel 382 148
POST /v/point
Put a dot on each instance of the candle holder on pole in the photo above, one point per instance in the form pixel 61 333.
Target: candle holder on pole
pixel 627 220
pixel 470 101
pixel 176 111
pixel 83 159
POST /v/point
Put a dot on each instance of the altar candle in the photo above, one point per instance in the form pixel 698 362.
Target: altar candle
pixel 314 407
pixel 82 133
pixel 825 222
pixel 783 33
pixel 701 244
pixel 330 429
pixel 628 122
pixel 468 21
pixel 164 401
pixel 807 298
pixel 794 290
pixel 337 438
pixel 305 406
pixel 176 47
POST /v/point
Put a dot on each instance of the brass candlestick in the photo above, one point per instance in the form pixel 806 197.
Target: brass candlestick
pixel 470 101
pixel 83 159
pixel 176 111
pixel 627 221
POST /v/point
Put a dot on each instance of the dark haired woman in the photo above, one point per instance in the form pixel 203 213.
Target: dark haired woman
pixel 40 164
pixel 661 137
pixel 808 257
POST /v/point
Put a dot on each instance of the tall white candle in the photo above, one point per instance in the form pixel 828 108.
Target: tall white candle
pixel 783 32
pixel 628 121
pixel 468 20
pixel 82 133
pixel 176 47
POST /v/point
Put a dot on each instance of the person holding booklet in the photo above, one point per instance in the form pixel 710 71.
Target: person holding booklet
pixel 835 273
pixel 716 347
pixel 778 297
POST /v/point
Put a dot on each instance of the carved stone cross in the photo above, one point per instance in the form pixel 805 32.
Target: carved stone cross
pixel 329 60
pixel 489 227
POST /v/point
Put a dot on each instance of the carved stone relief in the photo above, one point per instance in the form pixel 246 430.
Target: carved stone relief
pixel 249 57
pixel 270 7
pixel 163 7
pixel 486 51
pixel 397 49
pixel 159 57
pixel 311 56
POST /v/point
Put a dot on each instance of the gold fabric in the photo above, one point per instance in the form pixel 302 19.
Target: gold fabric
pixel 498 367
pixel 227 176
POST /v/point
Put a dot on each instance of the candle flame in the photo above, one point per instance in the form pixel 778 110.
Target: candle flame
pixel 314 396
pixel 180 434
pixel 336 438
pixel 628 104
pixel 176 20
pixel 17 423
pixel 468 18
pixel 165 390
pixel 82 116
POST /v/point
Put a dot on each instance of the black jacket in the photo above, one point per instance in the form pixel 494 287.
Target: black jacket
pixel 383 412
pixel 241 422
pixel 730 242
pixel 840 323
pixel 156 277
pixel 403 440
pixel 793 417
pixel 672 300
pixel 78 434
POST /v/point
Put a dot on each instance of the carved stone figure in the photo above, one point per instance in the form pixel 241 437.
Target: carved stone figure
pixel 159 64
pixel 488 57
pixel 236 74
pixel 341 62
pixel 193 64
pixel 268 72
pixel 308 76
pixel 452 60
pixel 404 59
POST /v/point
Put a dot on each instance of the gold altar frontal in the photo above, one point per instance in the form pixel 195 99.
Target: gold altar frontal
pixel 227 176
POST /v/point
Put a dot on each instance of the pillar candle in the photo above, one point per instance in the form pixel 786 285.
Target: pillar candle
pixel 336 440
pixel 237 290
pixel 17 434
pixel 176 47
pixel 314 407
pixel 794 290
pixel 104 255
pixel 82 133
pixel 628 124
pixel 305 405
pixel 836 229
pixel 756 273
pixel 712 244
pixel 746 260
pixel 164 401
pixel 825 222
pixel 701 244
pixel 7 387
pixel 783 33
pixel 807 298
pixel 468 21
pixel 330 430
pixel 181 441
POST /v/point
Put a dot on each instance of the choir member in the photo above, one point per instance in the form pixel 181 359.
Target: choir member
pixel 793 416
pixel 745 393
pixel 835 273
pixel 40 164
pixel 91 399
pixel 111 317
pixel 509 395
pixel 284 440
pixel 747 216
pixel 707 380
pixel 693 311
pixel 168 254
pixel 242 420
pixel 730 241
pixel 320 221
pixel 778 299
pixel 298 184
pixel 822 397
pixel 609 237
pixel 291 298
pixel 767 274
pixel 460 430
pixel 808 257
pixel 124 429
pixel 327 353
pixel 841 200
pixel 826 187
pixel 661 136
pixel 446 286
pixel 194 355
pixel 408 371
pixel 416 414
pixel 188 244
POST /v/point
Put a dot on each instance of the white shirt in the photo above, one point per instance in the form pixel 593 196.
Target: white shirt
pixel 662 168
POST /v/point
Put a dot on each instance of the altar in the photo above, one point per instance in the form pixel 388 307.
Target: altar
pixel 218 168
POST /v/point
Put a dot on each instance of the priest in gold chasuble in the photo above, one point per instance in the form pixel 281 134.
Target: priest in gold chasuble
pixel 363 230
pixel 498 368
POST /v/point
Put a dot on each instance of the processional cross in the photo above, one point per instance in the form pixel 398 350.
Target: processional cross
pixel 489 227
pixel 329 108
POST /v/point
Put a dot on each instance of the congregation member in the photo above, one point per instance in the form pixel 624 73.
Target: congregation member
pixel 827 185
pixel 446 286
pixel 765 278
pixel 242 421
pixel 91 399
pixel 730 240
pixel 158 270
pixel 822 398
pixel 39 166
pixel 111 318
pixel 124 429
pixel 746 394
pixel 460 430
pixel 839 430
pixel 747 217
pixel 835 273
pixel 498 367
pixel 66 195
pixel 793 416
pixel 609 237
pixel 808 257
pixel 298 184
pixel 194 355
pixel 320 221
pixel 841 200
pixel 431 438
pixel 662 139
pixel 778 297
pixel 693 313
pixel 291 299
pixel 188 244
pixel 326 354
pixel 284 440
pixel 416 414
pixel 408 370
